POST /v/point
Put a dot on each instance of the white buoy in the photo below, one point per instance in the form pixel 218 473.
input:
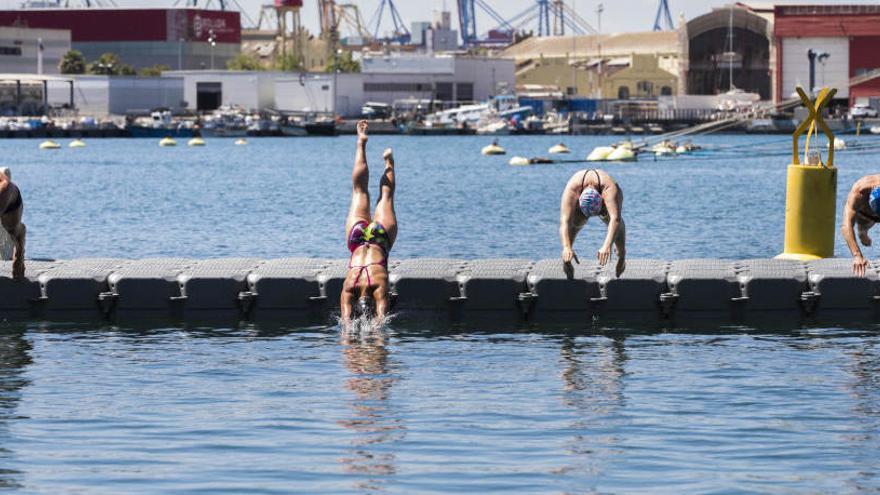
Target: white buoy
pixel 241 142
pixel 839 144
pixel 196 141
pixel 621 154
pixel 559 148
pixel 599 153
pixel 167 141
pixel 493 149
pixel 49 145
pixel 519 161
pixel 77 143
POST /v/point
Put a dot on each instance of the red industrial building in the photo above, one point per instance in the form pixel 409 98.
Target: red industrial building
pixel 846 39
pixel 181 38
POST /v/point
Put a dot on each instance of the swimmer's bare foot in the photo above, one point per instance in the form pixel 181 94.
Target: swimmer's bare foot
pixel 388 156
pixel 362 127
pixel 863 236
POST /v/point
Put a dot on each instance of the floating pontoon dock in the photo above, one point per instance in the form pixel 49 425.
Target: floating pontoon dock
pixel 457 290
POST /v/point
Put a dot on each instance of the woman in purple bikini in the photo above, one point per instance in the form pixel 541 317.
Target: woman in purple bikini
pixel 369 237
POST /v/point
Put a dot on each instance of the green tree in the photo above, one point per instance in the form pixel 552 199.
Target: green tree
pixel 127 70
pixel 244 61
pixel 73 62
pixel 107 65
pixel 287 63
pixel 343 63
pixel 154 71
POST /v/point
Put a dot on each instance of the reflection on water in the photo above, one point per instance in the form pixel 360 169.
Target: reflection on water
pixel 451 410
pixel 865 385
pixel 592 385
pixel 373 421
pixel 14 358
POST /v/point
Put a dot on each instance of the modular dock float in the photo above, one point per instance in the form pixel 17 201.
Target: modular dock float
pixel 500 289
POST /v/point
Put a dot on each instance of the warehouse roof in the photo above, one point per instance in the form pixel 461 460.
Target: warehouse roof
pixel 615 44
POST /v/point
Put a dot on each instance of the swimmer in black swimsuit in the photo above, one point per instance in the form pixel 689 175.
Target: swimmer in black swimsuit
pixel 11 209
pixel 592 193
pixel 862 210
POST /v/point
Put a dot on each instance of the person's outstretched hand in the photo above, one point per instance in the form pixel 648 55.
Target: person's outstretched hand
pixel 567 267
pixel 18 269
pixel 362 131
pixel 859 265
pixel 603 255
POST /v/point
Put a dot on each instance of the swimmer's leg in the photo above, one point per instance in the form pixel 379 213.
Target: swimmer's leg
pixel 620 247
pixel 360 178
pixel 385 207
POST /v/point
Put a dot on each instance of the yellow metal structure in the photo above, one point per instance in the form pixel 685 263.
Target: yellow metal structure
pixel 811 191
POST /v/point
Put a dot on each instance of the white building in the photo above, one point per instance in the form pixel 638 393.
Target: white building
pixel 118 95
pixel 205 90
pixel 19 49
pixel 447 78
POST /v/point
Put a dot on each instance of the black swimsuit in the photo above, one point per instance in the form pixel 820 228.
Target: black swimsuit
pixel 16 204
pixel 870 216
pixel 604 213
pixel 598 178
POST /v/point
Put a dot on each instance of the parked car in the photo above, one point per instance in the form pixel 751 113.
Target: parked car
pixel 861 111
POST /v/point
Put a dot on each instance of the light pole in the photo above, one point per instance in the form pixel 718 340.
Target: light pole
pixel 336 55
pixel 212 39
pixel 574 76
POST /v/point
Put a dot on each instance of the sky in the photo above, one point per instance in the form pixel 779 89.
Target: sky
pixel 618 15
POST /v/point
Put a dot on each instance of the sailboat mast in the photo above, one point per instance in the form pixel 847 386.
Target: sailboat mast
pixel 730 54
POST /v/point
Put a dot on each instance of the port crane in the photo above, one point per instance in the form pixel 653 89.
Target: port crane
pixel 400 34
pixel 663 17
pixel 543 11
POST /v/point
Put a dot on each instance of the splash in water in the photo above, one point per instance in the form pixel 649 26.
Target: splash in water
pixel 364 327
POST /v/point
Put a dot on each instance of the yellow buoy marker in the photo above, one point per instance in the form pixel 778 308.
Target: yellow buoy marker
pixel 196 141
pixel 811 190
pixel 559 148
pixel 77 143
pixel 49 145
pixel 241 142
pixel 493 149
pixel 167 141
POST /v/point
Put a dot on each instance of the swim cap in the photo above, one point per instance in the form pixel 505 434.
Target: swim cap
pixel 364 307
pixel 590 202
pixel 874 200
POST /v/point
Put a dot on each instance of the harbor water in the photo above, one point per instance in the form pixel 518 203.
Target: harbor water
pixel 423 407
